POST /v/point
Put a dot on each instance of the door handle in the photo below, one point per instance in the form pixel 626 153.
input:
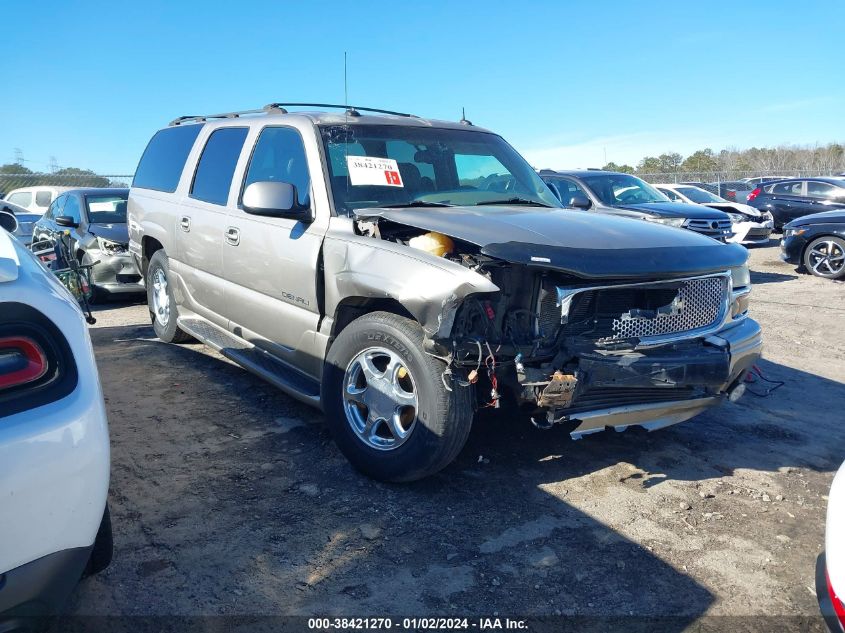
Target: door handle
pixel 185 223
pixel 233 235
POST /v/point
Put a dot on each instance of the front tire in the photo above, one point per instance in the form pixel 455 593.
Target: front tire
pixel 386 404
pixel 161 300
pixel 825 257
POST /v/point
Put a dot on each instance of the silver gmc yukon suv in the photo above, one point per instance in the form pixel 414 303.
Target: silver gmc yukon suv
pixel 402 273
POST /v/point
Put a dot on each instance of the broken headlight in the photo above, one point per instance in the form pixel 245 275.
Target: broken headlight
pixel 736 218
pixel 111 248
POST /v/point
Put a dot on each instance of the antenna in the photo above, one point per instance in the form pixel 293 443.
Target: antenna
pixel 464 119
pixel 345 84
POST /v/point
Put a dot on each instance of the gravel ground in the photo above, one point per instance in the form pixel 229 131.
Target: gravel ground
pixel 228 497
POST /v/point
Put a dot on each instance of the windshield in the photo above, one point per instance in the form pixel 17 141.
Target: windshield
pixel 698 195
pixel 106 209
pixel 613 189
pixel 387 165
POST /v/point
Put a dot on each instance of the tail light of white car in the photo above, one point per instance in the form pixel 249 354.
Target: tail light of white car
pixel 36 363
pixel 836 602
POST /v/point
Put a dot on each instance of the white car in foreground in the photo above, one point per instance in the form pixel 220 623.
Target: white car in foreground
pixel 830 568
pixel 54 443
pixel 749 225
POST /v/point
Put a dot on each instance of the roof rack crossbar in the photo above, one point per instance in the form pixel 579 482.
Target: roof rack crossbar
pixel 276 106
pixel 194 118
pixel 280 109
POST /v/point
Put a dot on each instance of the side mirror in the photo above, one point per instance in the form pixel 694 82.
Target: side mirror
pixel 8 222
pixel 275 200
pixel 580 201
pixel 66 220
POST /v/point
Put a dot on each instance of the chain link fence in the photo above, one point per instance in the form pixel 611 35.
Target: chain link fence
pixel 63 178
pixel 716 177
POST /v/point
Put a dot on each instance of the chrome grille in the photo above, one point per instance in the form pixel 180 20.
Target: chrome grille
pixel 710 227
pixel 653 310
pixel 698 304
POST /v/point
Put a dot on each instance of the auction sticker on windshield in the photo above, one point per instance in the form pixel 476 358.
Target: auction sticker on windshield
pixel 368 170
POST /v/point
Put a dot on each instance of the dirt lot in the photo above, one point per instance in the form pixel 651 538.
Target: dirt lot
pixel 229 498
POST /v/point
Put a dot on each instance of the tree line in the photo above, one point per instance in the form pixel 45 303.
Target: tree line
pixel 824 159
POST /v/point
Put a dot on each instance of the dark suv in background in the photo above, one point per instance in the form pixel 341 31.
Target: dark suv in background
pixel 789 199
pixel 629 196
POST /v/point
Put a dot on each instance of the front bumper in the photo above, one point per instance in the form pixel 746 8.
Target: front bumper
pixel 792 249
pixel 115 274
pixel 752 232
pixel 733 351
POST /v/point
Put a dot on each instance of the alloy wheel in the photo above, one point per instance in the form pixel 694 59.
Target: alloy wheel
pixel 380 398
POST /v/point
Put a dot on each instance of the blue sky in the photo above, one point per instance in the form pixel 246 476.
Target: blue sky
pixel 567 83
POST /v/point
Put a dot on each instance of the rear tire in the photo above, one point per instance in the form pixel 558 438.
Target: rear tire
pixel 430 434
pixel 164 312
pixel 825 257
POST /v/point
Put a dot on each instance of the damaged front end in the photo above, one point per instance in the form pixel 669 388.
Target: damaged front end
pixel 597 353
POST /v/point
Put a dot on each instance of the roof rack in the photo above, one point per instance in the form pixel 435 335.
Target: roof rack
pixel 279 108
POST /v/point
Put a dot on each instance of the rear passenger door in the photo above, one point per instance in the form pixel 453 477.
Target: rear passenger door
pixel 271 264
pixel 203 220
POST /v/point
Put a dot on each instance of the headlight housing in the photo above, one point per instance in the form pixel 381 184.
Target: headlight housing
pixel 679 222
pixel 736 218
pixel 741 282
pixel 741 276
pixel 795 231
pixel 111 248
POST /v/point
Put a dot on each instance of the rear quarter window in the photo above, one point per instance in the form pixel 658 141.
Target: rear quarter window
pixel 43 198
pixel 164 159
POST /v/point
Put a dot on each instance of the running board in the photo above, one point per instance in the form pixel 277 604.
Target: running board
pixel 255 360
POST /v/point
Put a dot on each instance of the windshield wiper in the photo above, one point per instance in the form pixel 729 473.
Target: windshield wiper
pixel 525 201
pixel 409 205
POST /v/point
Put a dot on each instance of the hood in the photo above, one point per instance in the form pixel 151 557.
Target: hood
pixel 676 210
pixel 113 232
pixel 580 243
pixel 837 216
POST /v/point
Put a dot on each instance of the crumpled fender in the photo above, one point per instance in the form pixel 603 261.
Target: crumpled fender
pixel 430 288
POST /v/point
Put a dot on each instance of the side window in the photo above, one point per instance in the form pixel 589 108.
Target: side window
pixel 788 188
pixel 674 197
pixel 22 198
pixel 72 208
pixel 569 188
pixel 164 159
pixel 279 155
pixel 43 198
pixel 55 208
pixel 820 189
pixel 216 166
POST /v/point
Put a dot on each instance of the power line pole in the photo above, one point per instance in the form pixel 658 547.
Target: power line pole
pixel 53 165
pixel 18 156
